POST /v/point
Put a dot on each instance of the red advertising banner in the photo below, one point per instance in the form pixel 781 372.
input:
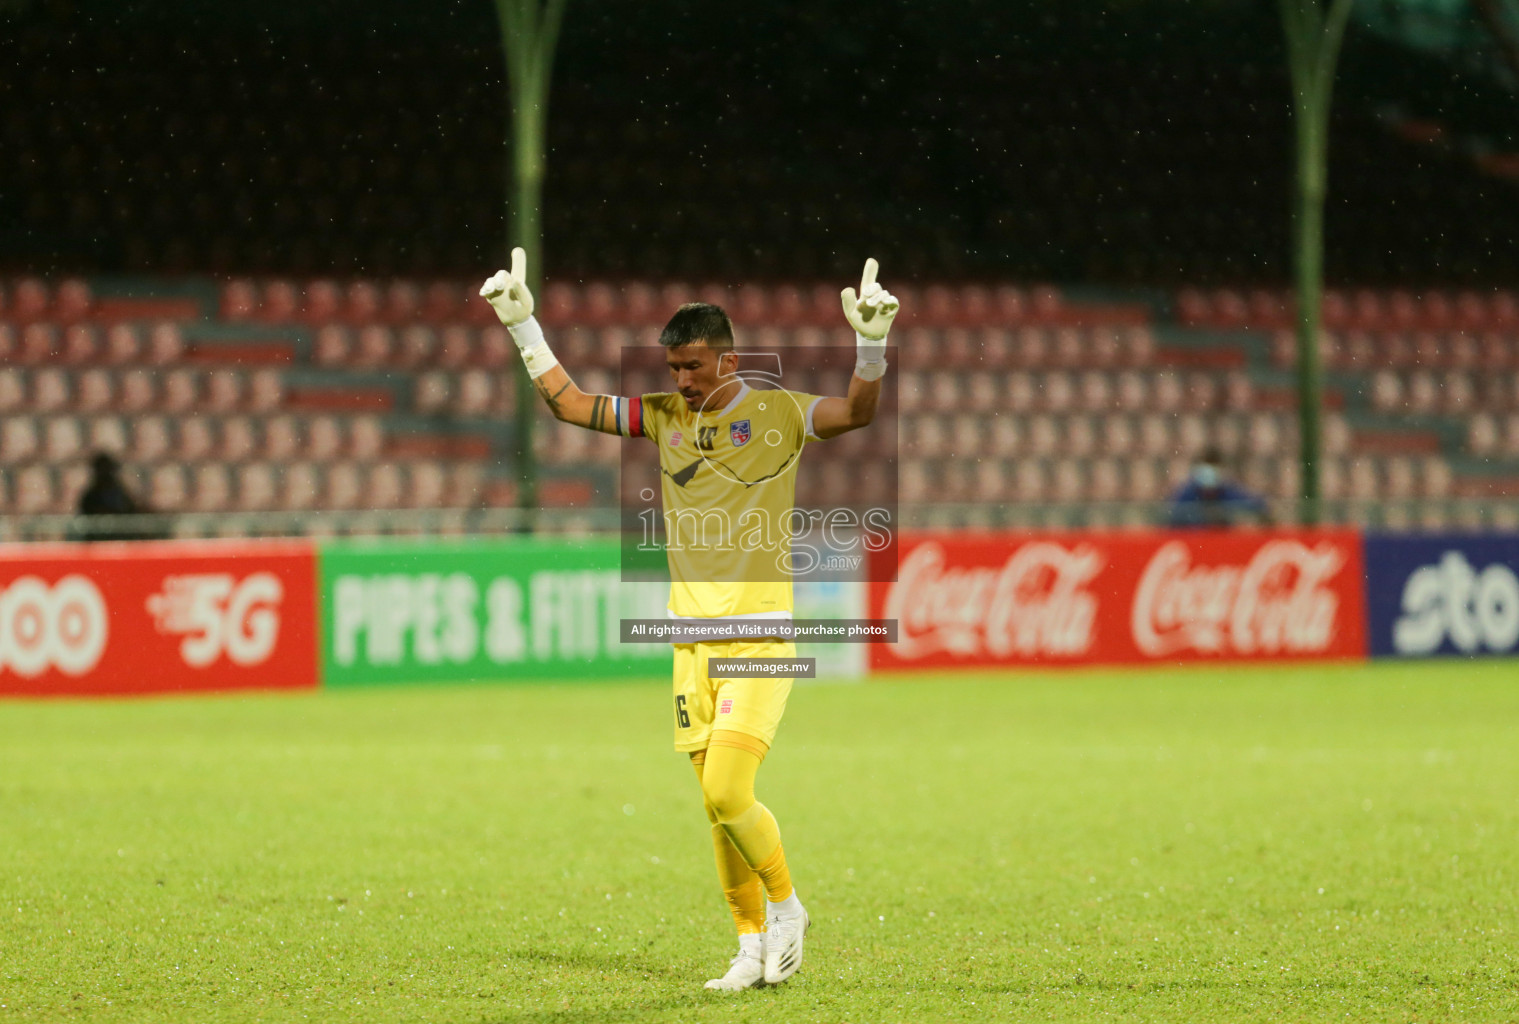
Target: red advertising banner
pixel 116 618
pixel 1122 598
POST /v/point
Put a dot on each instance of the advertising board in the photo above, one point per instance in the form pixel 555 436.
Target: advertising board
pixel 1442 595
pixel 1122 598
pixel 119 618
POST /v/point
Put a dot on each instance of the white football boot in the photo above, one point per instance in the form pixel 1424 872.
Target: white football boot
pixel 747 970
pixel 786 926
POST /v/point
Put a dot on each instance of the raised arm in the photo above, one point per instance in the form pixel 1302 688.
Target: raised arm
pixel 509 296
pixel 870 313
pixel 606 413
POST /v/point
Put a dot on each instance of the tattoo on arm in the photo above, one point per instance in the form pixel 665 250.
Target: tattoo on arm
pixel 552 400
pixel 597 409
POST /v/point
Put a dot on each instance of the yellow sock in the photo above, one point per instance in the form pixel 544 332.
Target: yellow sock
pixel 776 875
pixel 741 886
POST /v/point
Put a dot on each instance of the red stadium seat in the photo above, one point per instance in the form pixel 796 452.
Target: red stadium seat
pixel 150 439
pixel 343 486
pixel 266 390
pixel 426 485
pixel 165 345
pixel 257 489
pixel 300 486
pixel 1117 435
pixel 403 302
pixel 224 391
pixel 366 437
pixel 107 434
pixel 167 489
pixel 239 439
pixel 19 440
pixel 195 439
pixel 211 489
pixel 324 438
pixel 239 300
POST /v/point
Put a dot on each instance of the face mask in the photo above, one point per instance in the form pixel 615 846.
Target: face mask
pixel 1205 475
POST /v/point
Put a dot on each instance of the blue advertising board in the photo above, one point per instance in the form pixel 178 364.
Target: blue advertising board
pixel 1442 594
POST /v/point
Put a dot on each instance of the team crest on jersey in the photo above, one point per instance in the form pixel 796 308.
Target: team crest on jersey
pixel 726 708
pixel 675 440
pixel 738 433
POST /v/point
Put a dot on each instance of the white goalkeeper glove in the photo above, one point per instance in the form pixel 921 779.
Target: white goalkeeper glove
pixel 870 313
pixel 513 303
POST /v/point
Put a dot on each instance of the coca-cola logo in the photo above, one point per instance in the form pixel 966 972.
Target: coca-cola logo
pixel 218 614
pixel 1033 604
pixel 1278 603
pixel 63 626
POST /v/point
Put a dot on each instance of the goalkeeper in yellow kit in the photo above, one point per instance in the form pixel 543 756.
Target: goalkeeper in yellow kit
pixel 727 454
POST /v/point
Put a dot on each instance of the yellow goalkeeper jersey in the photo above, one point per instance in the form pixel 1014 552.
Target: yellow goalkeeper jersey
pixel 728 480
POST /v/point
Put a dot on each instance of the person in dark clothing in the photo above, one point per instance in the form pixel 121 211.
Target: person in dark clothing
pixel 108 496
pixel 1209 499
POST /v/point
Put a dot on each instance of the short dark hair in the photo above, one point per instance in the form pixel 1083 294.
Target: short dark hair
pixel 696 322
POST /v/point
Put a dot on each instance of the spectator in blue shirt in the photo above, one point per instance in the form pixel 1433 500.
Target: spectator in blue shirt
pixel 1210 499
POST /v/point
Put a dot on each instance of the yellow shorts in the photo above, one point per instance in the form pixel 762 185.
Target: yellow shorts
pixel 752 706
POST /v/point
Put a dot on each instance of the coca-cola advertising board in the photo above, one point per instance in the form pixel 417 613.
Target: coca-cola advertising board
pixel 133 618
pixel 1122 598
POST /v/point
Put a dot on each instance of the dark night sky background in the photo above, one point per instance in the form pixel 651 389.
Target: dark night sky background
pixel 1142 143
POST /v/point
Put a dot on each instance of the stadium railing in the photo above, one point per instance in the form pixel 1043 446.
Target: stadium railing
pixel 1411 515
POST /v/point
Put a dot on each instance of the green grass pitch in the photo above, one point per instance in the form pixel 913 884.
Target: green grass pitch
pixel 1215 844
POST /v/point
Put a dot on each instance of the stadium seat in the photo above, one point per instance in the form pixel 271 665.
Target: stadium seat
pixel 34 492
pixel 1106 481
pixel 330 347
pixel 1081 439
pixel 1364 482
pixel 266 390
pixel 19 439
pixel 324 438
pixel 1421 395
pixel 1006 437
pixel 416 346
pixel 373 347
pixel 165 344
pixel 211 489
pixel 80 345
pixel 1482 435
pixel 299 487
pixel 281 440
pixel 1096 392
pixel 1042 436
pixel 239 439
pixel 1156 439
pixel 167 490
pixel 256 487
pixel 1436 479
pixel 194 439
pixel 426 485
pixel 181 391
pixel 95 391
pixel 51 390
pixel 1030 481
pixel 224 391
pixel 138 392
pixel 1132 393
pixel 150 439
pixel 108 434
pixel 343 486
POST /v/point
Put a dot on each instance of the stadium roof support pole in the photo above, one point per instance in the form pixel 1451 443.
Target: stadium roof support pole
pixel 1313 47
pixel 529 33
